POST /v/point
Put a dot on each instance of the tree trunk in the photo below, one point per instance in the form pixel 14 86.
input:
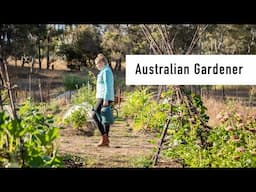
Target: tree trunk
pixel 111 67
pixel 48 52
pixel 2 84
pixel 118 65
pixel 15 61
pixel 33 63
pixel 23 62
pixel 39 56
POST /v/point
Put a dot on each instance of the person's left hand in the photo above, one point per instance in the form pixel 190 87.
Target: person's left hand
pixel 105 103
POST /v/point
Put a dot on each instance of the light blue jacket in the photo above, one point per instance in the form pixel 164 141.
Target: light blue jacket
pixel 105 84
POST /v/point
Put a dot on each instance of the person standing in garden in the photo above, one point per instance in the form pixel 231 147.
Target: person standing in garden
pixel 104 96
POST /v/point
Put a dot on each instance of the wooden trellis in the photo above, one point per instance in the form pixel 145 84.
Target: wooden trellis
pixel 166 46
pixel 5 84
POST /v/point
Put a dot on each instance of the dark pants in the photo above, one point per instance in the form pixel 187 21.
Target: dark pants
pixel 104 129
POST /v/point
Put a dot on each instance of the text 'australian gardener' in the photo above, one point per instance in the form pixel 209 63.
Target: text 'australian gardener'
pixel 197 68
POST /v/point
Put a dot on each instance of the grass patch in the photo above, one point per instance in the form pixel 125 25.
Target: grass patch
pixel 72 82
pixel 89 162
pixel 141 162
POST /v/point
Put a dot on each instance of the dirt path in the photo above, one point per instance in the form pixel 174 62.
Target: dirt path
pixel 127 148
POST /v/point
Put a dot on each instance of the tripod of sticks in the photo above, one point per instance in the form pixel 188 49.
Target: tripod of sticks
pixel 166 46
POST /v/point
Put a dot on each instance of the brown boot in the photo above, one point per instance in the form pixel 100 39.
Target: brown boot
pixel 107 140
pixel 104 142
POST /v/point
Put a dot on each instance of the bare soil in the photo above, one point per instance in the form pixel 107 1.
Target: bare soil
pixel 125 146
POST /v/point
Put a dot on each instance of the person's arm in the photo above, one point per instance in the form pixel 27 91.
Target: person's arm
pixel 107 83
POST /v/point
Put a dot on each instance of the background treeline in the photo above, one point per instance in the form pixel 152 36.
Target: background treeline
pixel 80 43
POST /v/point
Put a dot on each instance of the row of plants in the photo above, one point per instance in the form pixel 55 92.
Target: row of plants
pixel 230 144
pixel 145 112
pixel 83 100
pixel 28 141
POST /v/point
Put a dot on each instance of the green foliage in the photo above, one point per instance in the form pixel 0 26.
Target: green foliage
pixel 88 42
pixel 72 82
pixel 231 144
pixel 152 116
pixel 28 141
pixel 228 39
pixel 188 142
pixel 135 102
pixel 84 99
pixel 119 82
pixel 83 43
pixel 232 147
pixel 115 33
pixel 69 51
pixel 146 113
pixel 84 94
pixel 77 118
pixel 198 103
pixel 142 162
pixel 139 44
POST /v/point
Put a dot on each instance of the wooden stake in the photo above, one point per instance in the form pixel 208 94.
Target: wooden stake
pixel 9 89
pixel 40 90
pixel 156 156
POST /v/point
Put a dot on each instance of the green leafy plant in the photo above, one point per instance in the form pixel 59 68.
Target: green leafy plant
pixel 83 100
pixel 230 144
pixel 85 94
pixel 29 140
pixel 72 82
pixel 135 102
pixel 146 113
pixel 232 147
pixel 152 116
pixel 77 118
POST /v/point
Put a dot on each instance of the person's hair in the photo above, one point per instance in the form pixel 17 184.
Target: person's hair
pixel 100 57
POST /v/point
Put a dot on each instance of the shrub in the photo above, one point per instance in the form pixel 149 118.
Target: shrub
pixel 135 102
pixel 72 82
pixel 230 144
pixel 152 116
pixel 77 118
pixel 29 140
pixel 85 94
pixel 146 113
pixel 83 100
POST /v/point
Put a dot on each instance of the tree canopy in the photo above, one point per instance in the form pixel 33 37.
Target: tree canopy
pixel 81 43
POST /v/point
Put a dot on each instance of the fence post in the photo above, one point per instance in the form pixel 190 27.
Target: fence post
pixel 40 90
pixel 223 93
pixel 119 97
pixel 30 82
